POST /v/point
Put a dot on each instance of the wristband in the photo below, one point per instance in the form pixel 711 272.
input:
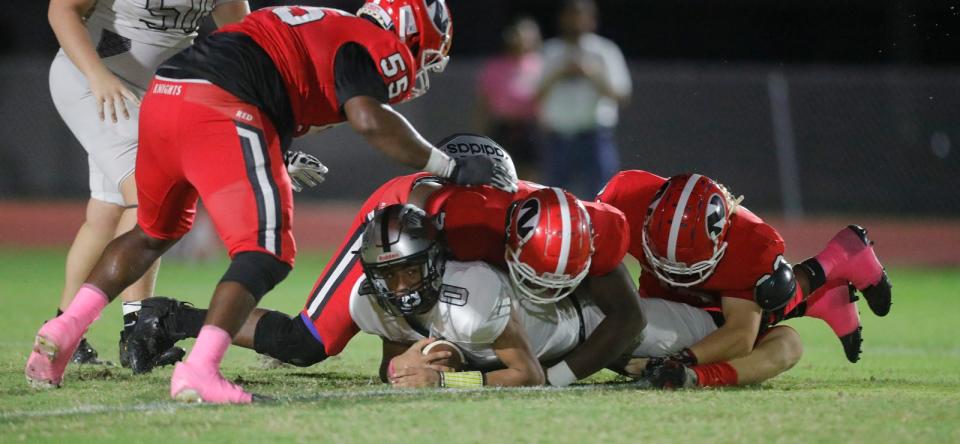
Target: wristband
pixel 461 379
pixel 440 164
pixel 560 375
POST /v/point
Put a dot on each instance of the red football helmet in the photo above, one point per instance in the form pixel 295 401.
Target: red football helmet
pixel 549 245
pixel 423 25
pixel 684 235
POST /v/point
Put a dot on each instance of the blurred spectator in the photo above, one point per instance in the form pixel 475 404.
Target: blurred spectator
pixel 585 80
pixel 507 108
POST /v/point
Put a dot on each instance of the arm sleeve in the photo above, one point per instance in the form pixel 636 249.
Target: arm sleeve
pixel 611 237
pixel 356 74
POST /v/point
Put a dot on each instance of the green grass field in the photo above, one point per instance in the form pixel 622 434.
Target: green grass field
pixel 906 388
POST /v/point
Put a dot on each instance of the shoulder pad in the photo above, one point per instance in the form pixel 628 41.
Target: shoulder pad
pixel 774 290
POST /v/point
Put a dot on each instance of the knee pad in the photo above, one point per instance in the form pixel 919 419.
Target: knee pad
pixel 257 272
pixel 773 291
pixel 288 340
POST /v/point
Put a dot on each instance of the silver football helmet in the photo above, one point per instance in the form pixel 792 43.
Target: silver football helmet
pixel 399 239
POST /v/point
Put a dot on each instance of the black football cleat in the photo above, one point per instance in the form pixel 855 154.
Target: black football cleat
pixel 125 347
pixel 879 296
pixel 851 344
pixel 87 355
pixel 141 354
pixel 151 342
pixel 671 375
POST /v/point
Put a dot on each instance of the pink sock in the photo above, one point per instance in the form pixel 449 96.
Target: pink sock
pixel 842 248
pixel 211 345
pixel 87 304
pixel 833 306
pixel 832 255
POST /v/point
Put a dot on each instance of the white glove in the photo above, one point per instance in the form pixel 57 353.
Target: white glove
pixel 304 170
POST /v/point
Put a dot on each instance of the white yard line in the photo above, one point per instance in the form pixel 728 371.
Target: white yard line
pixel 171 406
pixel 94 409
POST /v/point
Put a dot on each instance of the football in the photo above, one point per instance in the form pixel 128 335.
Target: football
pixel 456 359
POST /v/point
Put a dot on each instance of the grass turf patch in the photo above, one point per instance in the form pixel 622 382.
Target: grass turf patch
pixel 904 389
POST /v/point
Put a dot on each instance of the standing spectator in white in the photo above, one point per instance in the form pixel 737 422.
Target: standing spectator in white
pixel 585 80
pixel 109 50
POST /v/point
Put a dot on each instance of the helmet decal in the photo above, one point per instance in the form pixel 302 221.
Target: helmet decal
pixel 716 216
pixel 377 13
pixel 438 15
pixel 408 23
pixel 528 219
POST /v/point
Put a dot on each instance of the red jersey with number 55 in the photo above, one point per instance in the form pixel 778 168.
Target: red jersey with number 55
pixel 303 41
pixel 753 247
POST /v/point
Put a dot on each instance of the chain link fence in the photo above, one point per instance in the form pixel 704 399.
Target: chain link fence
pixel 793 139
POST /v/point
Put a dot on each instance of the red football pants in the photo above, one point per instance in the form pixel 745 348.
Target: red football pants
pixel 197 140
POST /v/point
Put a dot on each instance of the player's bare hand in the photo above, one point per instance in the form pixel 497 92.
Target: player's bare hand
pixel 416 377
pixel 414 357
pixel 111 96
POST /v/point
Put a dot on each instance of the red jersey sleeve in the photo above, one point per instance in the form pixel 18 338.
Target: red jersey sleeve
pixel 473 223
pixel 303 42
pixel 396 66
pixel 631 192
pixel 752 251
pixel 611 237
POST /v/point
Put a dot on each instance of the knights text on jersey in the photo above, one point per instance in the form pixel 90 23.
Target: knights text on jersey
pixel 303 42
pixel 753 246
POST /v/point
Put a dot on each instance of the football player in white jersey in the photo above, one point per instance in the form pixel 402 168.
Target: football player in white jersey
pixel 411 293
pixel 109 52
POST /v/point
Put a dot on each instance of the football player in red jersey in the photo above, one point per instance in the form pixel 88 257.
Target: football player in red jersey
pixel 698 245
pixel 215 123
pixel 473 220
